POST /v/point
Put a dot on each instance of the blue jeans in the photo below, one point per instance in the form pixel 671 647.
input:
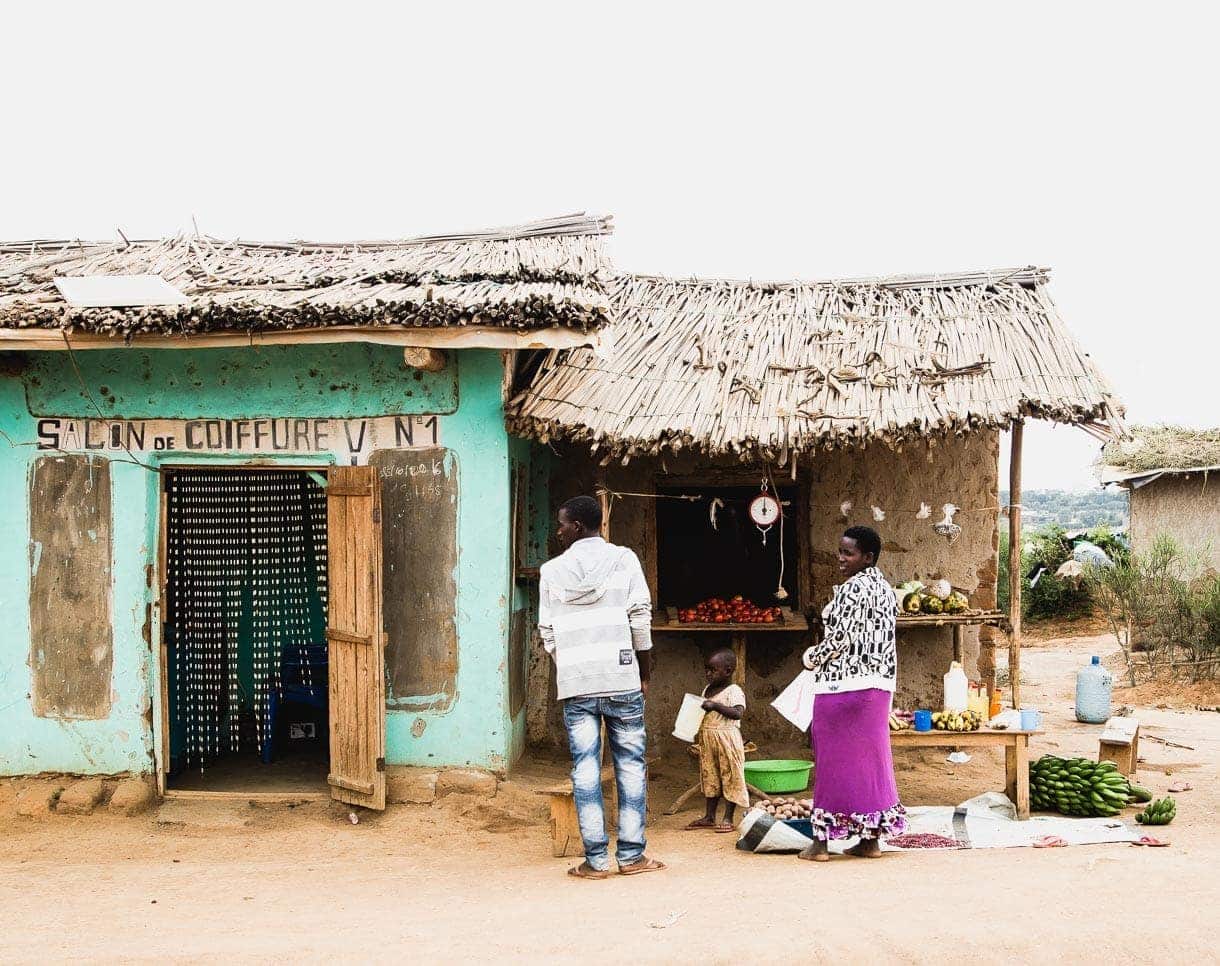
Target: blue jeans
pixel 624 717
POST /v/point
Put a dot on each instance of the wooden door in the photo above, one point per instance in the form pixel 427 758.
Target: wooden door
pixel 355 638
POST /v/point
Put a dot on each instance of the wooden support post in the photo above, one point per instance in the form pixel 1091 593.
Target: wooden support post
pixel 959 632
pixel 1014 563
pixel 738 644
pixel 1016 766
pixel 604 499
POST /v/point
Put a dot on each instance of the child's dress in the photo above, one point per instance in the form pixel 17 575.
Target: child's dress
pixel 722 756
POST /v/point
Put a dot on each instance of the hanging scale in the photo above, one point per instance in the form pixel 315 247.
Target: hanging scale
pixel 764 511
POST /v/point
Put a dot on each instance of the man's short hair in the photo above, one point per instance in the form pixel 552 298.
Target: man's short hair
pixel 584 510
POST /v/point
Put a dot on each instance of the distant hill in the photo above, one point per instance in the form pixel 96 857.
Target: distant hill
pixel 1072 510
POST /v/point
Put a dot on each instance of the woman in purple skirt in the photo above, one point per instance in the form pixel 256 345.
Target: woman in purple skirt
pixel 856 665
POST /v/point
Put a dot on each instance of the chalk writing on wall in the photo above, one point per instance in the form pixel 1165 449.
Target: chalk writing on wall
pixel 352 440
pixel 419 509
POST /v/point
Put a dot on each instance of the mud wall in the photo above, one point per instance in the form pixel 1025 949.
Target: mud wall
pixel 1185 507
pixel 961 471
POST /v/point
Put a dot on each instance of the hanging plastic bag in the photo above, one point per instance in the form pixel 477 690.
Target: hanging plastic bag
pixel 795 702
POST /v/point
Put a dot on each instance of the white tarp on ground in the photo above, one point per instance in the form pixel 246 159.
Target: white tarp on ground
pixel 986 822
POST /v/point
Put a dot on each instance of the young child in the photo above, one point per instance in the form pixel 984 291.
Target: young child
pixel 722 757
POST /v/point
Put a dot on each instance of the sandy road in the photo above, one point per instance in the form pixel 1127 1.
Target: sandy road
pixel 256 884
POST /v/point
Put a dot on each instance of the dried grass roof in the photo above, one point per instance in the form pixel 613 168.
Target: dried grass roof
pixel 762 369
pixel 546 273
pixel 1162 449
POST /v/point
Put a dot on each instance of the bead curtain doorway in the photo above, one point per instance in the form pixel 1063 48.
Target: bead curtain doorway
pixel 245 607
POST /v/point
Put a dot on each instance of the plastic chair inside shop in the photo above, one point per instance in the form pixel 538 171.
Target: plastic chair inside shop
pixel 303 680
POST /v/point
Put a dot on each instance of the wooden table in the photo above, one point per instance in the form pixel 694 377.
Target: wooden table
pixel 790 622
pixel 1016 754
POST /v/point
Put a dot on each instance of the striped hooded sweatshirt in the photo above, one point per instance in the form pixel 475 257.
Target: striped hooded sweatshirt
pixel 594 613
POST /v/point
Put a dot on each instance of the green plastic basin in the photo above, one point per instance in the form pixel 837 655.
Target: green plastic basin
pixel 779 775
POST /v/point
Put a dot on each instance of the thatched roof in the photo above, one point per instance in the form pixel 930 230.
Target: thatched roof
pixel 1155 450
pixel 547 273
pixel 762 369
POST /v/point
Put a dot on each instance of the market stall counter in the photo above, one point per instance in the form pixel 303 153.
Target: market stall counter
pixel 783 620
pixel 958 622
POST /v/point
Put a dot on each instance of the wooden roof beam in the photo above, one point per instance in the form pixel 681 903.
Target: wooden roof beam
pixel 463 337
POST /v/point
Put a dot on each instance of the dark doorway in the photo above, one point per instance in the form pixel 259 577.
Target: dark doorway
pixel 245 629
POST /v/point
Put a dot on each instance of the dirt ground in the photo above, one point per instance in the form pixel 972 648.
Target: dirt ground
pixel 475 878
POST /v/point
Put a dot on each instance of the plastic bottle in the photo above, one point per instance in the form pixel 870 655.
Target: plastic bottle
pixel 997 703
pixel 957 688
pixel 1093 684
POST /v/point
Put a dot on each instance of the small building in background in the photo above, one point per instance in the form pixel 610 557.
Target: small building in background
pixel 1172 475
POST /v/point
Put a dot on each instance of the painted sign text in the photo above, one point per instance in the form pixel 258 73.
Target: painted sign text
pixel 352 440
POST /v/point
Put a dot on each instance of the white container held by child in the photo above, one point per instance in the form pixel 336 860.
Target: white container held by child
pixel 690 717
pixel 957 689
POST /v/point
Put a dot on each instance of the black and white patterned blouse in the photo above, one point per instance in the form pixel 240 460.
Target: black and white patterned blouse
pixel 858 650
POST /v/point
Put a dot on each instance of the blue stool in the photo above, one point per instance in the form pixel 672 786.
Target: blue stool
pixel 305 662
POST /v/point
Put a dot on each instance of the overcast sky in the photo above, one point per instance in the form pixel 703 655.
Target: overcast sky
pixel 749 140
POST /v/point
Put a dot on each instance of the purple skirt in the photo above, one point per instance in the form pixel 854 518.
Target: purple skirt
pixel 854 792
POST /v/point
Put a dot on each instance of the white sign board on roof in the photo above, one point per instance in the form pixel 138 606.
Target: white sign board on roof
pixel 114 291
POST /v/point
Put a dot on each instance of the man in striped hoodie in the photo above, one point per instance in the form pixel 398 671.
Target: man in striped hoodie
pixel 595 617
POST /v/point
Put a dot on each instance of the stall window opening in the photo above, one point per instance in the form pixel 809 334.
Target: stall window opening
pixel 697 561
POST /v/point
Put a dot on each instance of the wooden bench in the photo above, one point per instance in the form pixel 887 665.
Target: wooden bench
pixel 1120 743
pixel 1016 754
pixel 565 825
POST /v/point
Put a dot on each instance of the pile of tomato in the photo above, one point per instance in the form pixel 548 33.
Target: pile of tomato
pixel 738 610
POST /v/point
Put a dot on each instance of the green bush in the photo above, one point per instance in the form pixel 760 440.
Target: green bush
pixel 1155 607
pixel 1051 596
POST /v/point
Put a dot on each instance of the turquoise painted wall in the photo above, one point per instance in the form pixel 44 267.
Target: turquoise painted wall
pixel 335 381
pixel 347 379
pixel 475 728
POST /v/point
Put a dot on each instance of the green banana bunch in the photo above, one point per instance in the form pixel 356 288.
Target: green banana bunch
pixel 1160 812
pixel 1078 787
pixel 1139 794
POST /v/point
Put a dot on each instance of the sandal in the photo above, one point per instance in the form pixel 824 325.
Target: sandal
pixel 724 828
pixel 1150 841
pixel 643 864
pixel 586 871
pixel 699 825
